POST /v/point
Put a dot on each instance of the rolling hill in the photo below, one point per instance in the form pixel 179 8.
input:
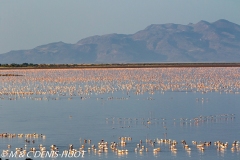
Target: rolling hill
pixel 201 42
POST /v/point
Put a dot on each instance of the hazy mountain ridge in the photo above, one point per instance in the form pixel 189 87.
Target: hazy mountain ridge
pixel 201 42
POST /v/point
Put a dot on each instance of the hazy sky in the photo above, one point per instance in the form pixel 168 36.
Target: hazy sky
pixel 25 24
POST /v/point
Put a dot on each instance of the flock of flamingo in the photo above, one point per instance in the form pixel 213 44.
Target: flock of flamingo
pixel 116 122
pixel 40 84
pixel 120 146
pixel 54 84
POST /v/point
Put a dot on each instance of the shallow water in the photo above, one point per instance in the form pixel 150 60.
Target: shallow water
pixel 165 114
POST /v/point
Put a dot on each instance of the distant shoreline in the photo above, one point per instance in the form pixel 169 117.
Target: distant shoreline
pixel 115 65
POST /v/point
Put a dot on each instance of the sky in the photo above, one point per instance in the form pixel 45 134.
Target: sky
pixel 26 24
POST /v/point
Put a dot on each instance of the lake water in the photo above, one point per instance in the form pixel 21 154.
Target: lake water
pixel 102 105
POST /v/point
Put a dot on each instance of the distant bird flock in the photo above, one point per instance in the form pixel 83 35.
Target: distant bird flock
pixel 54 84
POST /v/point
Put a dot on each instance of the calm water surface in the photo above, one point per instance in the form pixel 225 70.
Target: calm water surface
pixel 190 115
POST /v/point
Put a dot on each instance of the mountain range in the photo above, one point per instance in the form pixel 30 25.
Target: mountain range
pixel 201 42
